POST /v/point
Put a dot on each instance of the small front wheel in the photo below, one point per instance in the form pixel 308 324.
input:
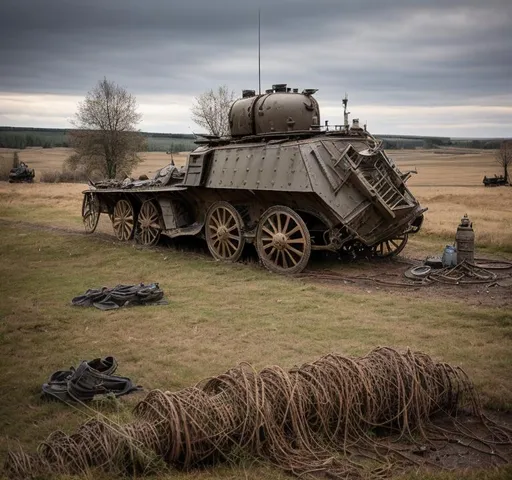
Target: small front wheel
pixel 90 212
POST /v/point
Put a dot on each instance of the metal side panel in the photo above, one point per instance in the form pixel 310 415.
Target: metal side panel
pixel 196 168
pixel 259 167
pixel 168 212
pixel 342 201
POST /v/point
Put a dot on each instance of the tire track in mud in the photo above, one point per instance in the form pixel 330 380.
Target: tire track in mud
pixel 55 229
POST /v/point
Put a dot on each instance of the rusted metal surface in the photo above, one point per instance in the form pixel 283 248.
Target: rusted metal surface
pixel 280 182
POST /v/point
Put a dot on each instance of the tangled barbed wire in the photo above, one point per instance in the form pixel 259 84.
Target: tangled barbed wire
pixel 320 417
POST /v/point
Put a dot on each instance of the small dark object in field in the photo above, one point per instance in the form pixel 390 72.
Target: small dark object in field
pixel 495 181
pixel 121 296
pixel 91 378
pixel 21 174
pixel 434 262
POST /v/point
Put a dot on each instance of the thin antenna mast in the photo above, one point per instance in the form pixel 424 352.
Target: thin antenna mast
pixel 259 51
pixel 345 113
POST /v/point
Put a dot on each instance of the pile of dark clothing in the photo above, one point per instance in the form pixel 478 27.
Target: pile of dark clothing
pixel 91 378
pixel 121 296
pixel 21 174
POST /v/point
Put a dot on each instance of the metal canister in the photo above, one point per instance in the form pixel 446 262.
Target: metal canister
pixel 465 241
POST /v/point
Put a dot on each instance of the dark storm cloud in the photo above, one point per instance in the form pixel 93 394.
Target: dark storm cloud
pixel 397 52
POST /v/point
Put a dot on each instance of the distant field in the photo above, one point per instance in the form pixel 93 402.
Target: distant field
pixel 443 167
pixel 51 159
pixel 446 167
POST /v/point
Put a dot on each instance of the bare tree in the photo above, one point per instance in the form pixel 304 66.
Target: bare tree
pixel 504 157
pixel 211 110
pixel 106 138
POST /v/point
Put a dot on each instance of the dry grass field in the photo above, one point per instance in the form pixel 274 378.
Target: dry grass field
pixel 450 185
pixel 52 159
pixel 218 314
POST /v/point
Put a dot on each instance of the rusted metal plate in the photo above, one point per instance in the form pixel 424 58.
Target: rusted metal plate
pixel 259 167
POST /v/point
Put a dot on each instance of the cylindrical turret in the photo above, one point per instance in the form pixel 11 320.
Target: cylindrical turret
pixel 280 110
pixel 465 240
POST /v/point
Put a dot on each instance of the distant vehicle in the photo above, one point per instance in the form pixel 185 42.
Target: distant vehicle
pixel 495 181
pixel 280 181
pixel 21 174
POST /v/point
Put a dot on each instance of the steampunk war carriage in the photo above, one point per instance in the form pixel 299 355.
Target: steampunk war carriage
pixel 280 181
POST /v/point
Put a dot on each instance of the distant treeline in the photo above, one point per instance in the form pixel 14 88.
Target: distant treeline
pixel 397 143
pixel 21 137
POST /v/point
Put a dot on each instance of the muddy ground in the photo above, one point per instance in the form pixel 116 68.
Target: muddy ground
pixel 388 275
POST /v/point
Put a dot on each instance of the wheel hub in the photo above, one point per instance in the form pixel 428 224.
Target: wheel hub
pixel 279 241
pixel 222 232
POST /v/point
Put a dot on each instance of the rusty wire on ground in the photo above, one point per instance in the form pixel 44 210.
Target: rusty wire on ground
pixel 464 273
pixel 321 417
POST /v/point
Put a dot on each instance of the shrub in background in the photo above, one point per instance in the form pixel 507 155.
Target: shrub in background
pixel 64 176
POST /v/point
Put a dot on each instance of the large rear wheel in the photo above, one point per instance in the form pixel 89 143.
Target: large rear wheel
pixel 283 241
pixel 149 225
pixel 224 232
pixel 123 220
pixel 90 212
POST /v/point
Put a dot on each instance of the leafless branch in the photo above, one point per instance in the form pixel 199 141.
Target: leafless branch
pixel 504 157
pixel 211 110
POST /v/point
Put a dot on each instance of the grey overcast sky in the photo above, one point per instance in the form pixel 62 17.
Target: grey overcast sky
pixel 437 67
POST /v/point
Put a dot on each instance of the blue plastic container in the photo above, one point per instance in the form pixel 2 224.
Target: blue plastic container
pixel 449 258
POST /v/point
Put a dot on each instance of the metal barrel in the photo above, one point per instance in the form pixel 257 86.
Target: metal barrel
pixel 465 240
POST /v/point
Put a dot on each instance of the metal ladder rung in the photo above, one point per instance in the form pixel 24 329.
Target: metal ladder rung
pixel 376 186
pixel 386 192
pixel 390 198
pixel 397 203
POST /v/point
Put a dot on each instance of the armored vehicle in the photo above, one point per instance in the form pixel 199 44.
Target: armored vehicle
pixel 280 181
pixel 21 174
pixel 496 181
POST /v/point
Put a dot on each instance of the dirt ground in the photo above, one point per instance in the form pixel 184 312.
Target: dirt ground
pixel 387 275
pixel 460 453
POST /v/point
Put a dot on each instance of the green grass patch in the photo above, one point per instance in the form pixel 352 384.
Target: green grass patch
pixel 218 315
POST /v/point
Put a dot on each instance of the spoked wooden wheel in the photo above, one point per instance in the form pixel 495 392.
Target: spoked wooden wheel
pixel 283 241
pixel 390 247
pixel 149 224
pixel 224 232
pixel 90 212
pixel 123 220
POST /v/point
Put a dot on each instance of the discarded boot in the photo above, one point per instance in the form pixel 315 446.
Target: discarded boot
pixel 107 366
pixel 87 382
pixel 89 379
